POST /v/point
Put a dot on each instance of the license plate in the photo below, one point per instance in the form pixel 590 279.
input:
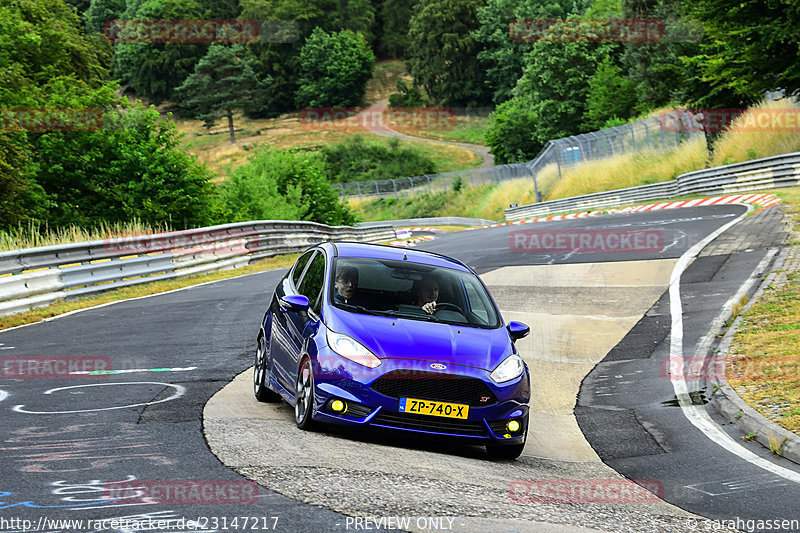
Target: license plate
pixel 429 407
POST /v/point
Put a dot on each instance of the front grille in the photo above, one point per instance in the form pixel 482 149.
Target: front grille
pixel 429 423
pixel 435 386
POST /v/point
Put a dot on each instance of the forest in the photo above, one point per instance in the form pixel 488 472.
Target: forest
pixel 82 143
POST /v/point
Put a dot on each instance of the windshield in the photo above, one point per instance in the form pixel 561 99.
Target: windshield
pixel 411 290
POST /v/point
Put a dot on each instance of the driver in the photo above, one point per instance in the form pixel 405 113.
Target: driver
pixel 345 285
pixel 426 292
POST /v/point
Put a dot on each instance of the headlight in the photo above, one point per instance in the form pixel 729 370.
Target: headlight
pixel 351 349
pixel 509 369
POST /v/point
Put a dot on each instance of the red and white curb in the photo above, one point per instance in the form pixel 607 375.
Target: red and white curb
pixel 763 200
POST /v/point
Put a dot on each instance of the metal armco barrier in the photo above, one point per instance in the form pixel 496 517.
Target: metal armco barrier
pixel 36 277
pixel 766 173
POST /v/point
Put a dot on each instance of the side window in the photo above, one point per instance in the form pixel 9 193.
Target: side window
pixel 300 265
pixel 311 286
pixel 476 303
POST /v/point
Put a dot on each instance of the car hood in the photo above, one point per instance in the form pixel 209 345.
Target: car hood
pixel 390 337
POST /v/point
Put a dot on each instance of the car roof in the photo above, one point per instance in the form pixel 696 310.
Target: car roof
pixel 380 251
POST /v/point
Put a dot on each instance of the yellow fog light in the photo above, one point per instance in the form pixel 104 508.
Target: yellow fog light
pixel 513 426
pixel 338 406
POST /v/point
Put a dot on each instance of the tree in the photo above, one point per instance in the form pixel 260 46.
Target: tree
pixel 610 96
pixel 443 52
pixel 276 54
pixel 393 17
pixel 276 184
pixel 502 52
pixel 102 11
pixel 155 69
pixel 41 44
pixel 752 46
pixel 222 82
pixel 334 69
pixel 550 99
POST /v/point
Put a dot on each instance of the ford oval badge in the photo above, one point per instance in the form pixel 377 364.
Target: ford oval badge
pixel 438 366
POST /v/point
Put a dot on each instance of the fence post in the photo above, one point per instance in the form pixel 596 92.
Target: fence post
pixel 377 191
pixel 430 190
pixel 394 186
pixel 358 186
pixel 646 133
pixel 633 137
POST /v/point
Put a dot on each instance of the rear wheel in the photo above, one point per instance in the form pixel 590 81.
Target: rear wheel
pixel 260 389
pixel 304 396
pixel 511 452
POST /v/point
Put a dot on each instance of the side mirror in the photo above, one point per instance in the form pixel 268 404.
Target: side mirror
pixel 517 330
pixel 295 302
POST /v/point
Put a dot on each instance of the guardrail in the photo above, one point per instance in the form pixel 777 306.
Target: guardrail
pixel 758 174
pixel 36 277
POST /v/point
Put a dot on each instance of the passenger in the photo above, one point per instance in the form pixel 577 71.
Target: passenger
pixel 426 292
pixel 345 285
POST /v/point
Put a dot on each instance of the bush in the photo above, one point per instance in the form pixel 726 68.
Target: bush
pixel 282 185
pixel 511 130
pixel 407 97
pixel 133 168
pixel 357 160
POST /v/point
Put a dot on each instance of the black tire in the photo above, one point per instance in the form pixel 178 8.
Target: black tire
pixel 304 395
pixel 505 453
pixel 260 389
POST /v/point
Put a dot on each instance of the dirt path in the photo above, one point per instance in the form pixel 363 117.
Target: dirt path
pixel 368 117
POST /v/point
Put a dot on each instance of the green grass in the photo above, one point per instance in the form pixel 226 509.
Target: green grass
pixel 465 129
pixel 764 362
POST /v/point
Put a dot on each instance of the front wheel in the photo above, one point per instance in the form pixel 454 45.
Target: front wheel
pixel 260 389
pixel 304 396
pixel 505 452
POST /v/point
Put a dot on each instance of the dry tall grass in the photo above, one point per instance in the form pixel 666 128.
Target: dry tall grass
pixel 753 135
pixel 33 235
pixel 629 170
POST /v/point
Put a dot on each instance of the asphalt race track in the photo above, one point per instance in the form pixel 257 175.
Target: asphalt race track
pixel 600 331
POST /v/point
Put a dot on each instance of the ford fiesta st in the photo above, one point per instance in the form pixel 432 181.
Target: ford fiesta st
pixel 376 336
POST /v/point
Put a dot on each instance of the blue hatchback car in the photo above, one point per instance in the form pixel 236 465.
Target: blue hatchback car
pixel 376 336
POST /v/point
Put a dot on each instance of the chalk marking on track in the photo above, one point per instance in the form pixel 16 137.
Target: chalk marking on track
pixel 179 391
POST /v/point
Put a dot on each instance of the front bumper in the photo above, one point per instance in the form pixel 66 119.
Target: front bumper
pixel 353 385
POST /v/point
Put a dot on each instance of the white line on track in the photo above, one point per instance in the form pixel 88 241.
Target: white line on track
pixel 179 391
pixel 3 395
pixel 697 415
pixel 130 371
